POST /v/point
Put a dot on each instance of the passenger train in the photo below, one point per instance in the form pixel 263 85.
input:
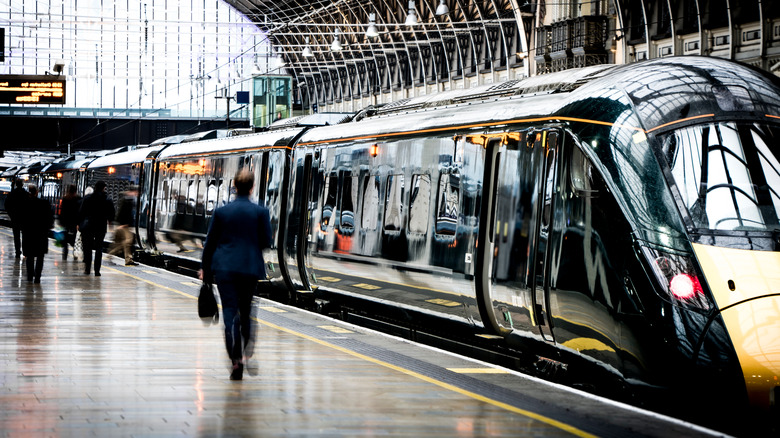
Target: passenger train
pixel 613 222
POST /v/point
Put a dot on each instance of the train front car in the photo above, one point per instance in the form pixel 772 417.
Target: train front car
pixel 689 152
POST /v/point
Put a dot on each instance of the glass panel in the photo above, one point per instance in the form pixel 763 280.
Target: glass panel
pixel 727 175
pixel 394 208
pixel 191 195
pixel 447 204
pixel 370 214
pixel 419 204
pixel 349 192
pixel 331 187
pixel 211 197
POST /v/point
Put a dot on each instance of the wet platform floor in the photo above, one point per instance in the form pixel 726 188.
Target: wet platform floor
pixel 125 354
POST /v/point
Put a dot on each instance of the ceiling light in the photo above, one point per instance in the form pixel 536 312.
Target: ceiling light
pixel 306 50
pixel 336 46
pixel 411 19
pixel 372 31
pixel 442 9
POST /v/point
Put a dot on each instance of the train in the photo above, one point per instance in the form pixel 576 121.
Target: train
pixel 618 223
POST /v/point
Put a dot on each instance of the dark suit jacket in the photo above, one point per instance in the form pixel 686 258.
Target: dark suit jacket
pixel 96 211
pixel 38 220
pixel 236 238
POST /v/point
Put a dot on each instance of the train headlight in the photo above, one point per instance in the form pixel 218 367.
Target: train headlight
pixel 678 278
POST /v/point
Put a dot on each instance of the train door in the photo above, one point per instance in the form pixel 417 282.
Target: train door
pixel 545 145
pixel 516 209
pixel 145 211
pixel 307 200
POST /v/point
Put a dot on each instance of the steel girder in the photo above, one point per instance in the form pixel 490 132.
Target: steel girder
pixel 476 36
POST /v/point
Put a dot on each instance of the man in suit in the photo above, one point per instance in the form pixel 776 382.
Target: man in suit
pixel 96 211
pixel 233 259
pixel 38 219
pixel 15 204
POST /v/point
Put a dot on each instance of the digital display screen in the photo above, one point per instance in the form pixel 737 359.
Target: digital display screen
pixel 25 89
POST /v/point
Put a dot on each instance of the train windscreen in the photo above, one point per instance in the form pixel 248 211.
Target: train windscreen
pixel 727 174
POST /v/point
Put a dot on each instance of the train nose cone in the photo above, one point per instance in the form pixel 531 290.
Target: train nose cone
pixel 746 288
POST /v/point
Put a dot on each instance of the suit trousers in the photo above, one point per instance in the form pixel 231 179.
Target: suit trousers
pixel 92 242
pixel 235 293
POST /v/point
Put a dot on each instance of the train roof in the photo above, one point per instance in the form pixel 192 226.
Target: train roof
pixel 68 163
pixel 660 92
pixel 129 157
pixel 229 144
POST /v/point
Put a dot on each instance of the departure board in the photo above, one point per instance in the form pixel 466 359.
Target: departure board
pixel 25 89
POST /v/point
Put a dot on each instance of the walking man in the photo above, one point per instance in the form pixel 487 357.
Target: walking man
pixel 15 206
pixel 38 219
pixel 233 258
pixel 96 211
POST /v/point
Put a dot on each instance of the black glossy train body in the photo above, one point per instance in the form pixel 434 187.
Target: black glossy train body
pixel 622 219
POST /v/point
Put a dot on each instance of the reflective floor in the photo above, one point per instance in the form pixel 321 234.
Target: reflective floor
pixel 124 354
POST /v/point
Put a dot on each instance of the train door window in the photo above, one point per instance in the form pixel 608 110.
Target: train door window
pixel 163 196
pixel 419 204
pixel 370 213
pixel 191 195
pixel 582 175
pixel 274 180
pixel 331 190
pixel 447 204
pixel 181 198
pixel 394 206
pixel 211 197
pixel 200 199
pixel 348 197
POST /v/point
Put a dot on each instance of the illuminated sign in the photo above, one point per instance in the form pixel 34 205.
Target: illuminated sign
pixel 25 89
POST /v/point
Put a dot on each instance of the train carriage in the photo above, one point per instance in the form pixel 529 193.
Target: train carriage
pixel 193 179
pixel 623 218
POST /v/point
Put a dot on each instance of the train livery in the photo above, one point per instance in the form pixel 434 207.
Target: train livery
pixel 624 219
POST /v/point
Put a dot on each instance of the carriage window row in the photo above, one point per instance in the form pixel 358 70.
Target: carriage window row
pixel 418 201
pixel 196 196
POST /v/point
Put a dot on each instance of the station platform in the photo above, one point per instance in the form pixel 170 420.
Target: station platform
pixel 125 354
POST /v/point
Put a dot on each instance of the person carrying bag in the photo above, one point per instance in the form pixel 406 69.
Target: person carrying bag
pixel 233 258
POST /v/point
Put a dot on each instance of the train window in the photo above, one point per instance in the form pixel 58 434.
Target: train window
pixel 349 194
pixel 163 197
pixel 370 214
pixel 394 206
pixel 419 204
pixel 582 174
pixel 331 187
pixel 447 204
pixel 211 197
pixel 191 195
pixel 181 197
pixel 200 201
pixel 274 181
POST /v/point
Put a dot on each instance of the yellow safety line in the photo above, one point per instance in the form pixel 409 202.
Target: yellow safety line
pixel 555 423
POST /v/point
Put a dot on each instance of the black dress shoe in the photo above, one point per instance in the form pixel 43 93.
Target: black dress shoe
pixel 37 280
pixel 97 274
pixel 238 371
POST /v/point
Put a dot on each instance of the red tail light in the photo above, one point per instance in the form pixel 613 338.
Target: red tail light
pixel 685 287
pixel 678 279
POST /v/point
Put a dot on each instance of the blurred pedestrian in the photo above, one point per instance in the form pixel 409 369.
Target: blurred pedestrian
pixel 15 207
pixel 95 213
pixel 69 218
pixel 123 233
pixel 233 259
pixel 38 220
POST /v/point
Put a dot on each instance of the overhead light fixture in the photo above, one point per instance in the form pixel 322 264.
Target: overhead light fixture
pixel 306 50
pixel 411 18
pixel 279 59
pixel 336 46
pixel 442 9
pixel 372 31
